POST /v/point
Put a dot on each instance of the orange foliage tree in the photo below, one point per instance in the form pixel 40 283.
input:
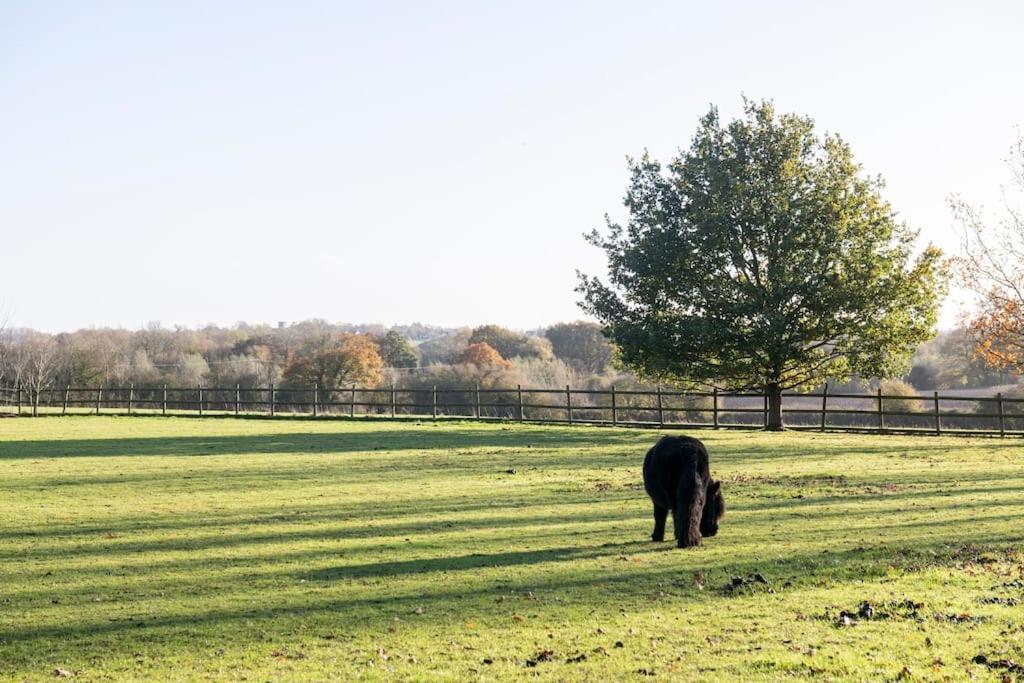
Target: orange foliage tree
pixel 483 354
pixel 334 360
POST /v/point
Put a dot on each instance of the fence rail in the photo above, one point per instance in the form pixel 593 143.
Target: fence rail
pixel 928 414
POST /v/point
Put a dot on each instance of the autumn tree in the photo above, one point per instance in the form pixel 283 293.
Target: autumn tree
pixel 332 360
pixel 482 354
pixel 762 258
pixel 581 345
pixel 991 265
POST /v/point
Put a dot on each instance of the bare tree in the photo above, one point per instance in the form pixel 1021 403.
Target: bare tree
pixel 991 265
pixel 35 362
pixel 5 356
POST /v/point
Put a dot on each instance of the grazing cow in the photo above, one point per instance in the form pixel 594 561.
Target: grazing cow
pixel 677 479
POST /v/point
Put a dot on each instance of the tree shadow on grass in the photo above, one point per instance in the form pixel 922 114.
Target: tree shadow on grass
pixel 390 437
pixel 610 589
pixel 394 439
pixel 270 554
pixel 388 527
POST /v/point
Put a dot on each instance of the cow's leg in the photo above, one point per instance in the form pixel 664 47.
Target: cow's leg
pixel 660 515
pixel 688 511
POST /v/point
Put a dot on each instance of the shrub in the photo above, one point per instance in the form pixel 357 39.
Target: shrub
pixel 898 396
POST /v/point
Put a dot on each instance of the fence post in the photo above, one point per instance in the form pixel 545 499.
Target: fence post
pixel 477 409
pixel 999 405
pixel 352 401
pixel 163 405
pixel 238 397
pixel 200 387
pixel 938 422
pixel 433 402
pixel 131 397
pixel 824 405
pixel 615 410
pixel 99 398
pixel 392 399
pixel 568 403
pixel 519 391
pixel 316 396
pixel 661 410
pixel 17 393
pixel 764 408
pixel 881 416
pixel 273 399
pixel 67 397
pixel 714 407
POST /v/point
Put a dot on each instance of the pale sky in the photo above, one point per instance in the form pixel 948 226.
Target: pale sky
pixel 193 162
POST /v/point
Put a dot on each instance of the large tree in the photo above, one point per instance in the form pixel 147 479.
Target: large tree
pixel 762 258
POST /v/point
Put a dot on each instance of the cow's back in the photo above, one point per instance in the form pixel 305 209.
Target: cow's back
pixel 667 462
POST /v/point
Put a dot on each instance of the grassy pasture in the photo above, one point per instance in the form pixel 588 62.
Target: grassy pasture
pixel 180 549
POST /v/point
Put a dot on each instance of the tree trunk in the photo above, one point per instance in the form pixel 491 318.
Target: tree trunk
pixel 774 393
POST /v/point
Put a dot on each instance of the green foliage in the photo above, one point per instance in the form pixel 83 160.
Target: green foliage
pixel 397 352
pixel 581 345
pixel 223 549
pixel 762 257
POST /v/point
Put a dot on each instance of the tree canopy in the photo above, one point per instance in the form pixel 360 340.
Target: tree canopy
pixel 397 352
pixel 332 360
pixel 762 257
pixel 482 354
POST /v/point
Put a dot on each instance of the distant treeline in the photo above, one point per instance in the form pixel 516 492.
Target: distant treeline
pixel 410 356
pixel 306 353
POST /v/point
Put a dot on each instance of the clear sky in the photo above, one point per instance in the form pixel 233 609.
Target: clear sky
pixel 193 162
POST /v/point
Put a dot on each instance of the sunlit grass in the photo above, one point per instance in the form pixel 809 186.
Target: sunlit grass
pixel 177 548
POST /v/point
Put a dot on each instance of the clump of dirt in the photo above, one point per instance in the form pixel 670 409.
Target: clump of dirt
pixel 542 656
pixel 1007 664
pixel 747 585
pixel 995 600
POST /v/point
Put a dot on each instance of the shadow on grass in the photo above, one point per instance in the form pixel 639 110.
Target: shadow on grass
pixel 610 590
pixel 368 438
pixel 510 509
pixel 225 608
pixel 404 438
pixel 386 527
pixel 265 558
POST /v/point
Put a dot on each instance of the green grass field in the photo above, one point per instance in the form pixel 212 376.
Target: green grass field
pixel 180 549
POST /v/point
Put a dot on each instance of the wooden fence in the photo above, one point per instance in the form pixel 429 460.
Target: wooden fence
pixel 927 414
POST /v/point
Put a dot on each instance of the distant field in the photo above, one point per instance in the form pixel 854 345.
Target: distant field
pixel 179 549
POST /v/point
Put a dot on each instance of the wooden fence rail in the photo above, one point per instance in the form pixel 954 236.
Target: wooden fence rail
pixel 825 411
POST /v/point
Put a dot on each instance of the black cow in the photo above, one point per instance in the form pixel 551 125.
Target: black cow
pixel 677 478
